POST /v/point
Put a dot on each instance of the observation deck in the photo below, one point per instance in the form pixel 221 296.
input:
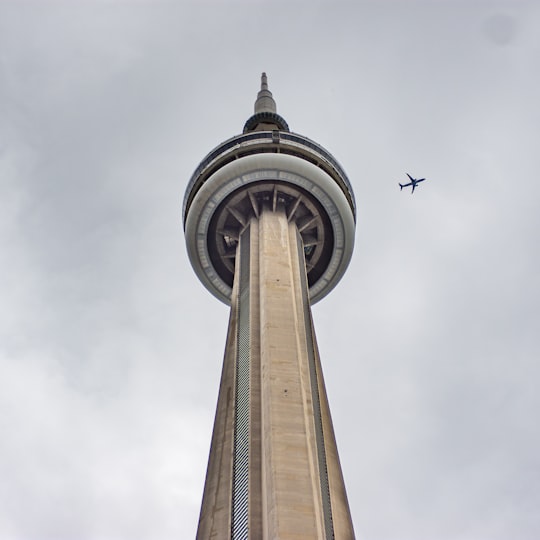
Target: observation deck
pixel 269 167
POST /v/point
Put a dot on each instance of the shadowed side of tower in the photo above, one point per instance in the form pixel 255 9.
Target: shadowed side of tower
pixel 270 225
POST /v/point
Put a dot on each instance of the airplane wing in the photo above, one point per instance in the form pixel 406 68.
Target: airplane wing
pixel 413 186
pixel 412 179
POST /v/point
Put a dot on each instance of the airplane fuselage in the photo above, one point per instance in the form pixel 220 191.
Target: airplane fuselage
pixel 412 183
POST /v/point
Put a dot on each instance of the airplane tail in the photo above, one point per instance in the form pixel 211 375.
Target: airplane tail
pixel 400 186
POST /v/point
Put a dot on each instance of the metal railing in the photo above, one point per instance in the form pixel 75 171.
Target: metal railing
pixel 286 140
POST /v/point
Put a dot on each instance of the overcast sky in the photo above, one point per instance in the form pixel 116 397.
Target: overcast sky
pixel 110 348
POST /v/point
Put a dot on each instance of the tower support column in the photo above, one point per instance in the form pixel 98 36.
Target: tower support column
pixel 292 498
pixel 273 470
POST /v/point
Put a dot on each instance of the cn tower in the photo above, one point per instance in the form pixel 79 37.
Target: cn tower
pixel 269 219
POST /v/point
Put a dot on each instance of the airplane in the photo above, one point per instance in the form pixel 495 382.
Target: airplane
pixel 412 183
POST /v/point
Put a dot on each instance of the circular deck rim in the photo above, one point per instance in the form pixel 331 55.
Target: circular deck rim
pixel 280 167
pixel 257 142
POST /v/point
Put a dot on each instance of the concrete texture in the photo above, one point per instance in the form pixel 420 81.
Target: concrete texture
pixel 296 488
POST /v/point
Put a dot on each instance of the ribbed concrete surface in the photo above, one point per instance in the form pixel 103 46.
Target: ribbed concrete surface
pixel 293 457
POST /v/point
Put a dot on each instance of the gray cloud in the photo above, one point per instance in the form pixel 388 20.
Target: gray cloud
pixel 110 349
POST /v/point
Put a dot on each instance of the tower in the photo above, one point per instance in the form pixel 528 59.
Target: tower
pixel 269 220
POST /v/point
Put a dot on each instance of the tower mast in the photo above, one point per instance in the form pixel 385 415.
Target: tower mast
pixel 269 220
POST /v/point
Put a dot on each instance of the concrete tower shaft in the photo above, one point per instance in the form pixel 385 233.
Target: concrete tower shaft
pixel 273 470
pixel 269 221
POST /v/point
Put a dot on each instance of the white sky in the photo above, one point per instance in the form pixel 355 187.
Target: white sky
pixel 111 350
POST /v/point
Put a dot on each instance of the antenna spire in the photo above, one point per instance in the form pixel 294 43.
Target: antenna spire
pixel 265 118
pixel 264 102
